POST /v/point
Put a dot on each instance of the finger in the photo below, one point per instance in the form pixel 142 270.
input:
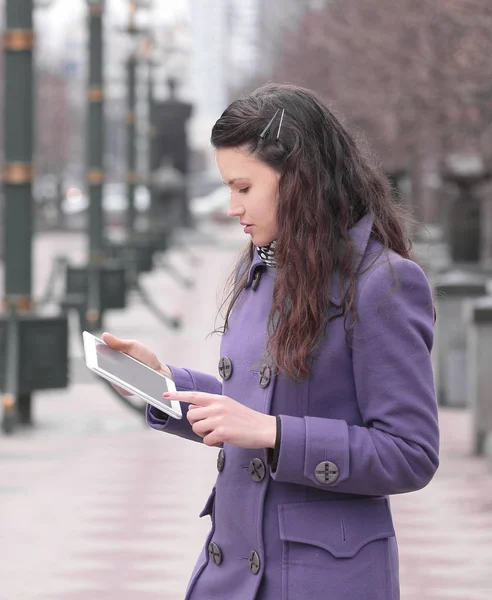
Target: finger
pixel 202 427
pixel 136 350
pixel 212 439
pixel 117 343
pixel 198 413
pixel 197 398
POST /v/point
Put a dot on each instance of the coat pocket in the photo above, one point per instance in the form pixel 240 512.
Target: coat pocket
pixel 337 549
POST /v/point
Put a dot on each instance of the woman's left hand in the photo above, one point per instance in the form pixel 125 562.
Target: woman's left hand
pixel 218 419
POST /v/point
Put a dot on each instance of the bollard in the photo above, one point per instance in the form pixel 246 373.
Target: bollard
pixel 453 290
pixel 479 317
pixel 480 374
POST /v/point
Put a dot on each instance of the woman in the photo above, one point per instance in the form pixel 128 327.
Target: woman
pixel 327 403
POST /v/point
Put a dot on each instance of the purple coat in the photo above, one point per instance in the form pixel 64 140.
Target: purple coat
pixel 363 426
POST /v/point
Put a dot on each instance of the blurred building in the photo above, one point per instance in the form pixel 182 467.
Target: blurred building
pixel 210 47
pixel 244 33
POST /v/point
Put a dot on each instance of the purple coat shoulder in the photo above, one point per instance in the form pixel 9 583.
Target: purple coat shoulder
pixel 362 427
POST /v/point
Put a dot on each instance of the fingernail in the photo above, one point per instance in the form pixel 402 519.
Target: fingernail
pixel 166 395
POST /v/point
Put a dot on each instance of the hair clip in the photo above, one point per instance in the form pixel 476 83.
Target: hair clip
pixel 264 133
pixel 280 125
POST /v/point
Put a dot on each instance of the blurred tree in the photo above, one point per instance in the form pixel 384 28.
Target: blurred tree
pixel 414 75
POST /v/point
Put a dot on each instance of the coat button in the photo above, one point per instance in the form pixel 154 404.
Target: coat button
pixel 265 376
pixel 220 460
pixel 225 367
pixel 257 470
pixel 256 279
pixel 254 562
pixel 327 472
pixel 215 553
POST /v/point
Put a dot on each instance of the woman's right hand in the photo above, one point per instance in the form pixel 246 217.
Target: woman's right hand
pixel 139 352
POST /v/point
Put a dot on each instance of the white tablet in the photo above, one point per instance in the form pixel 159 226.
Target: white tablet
pixel 130 374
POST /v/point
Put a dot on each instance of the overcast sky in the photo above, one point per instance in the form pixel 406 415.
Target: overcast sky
pixel 164 9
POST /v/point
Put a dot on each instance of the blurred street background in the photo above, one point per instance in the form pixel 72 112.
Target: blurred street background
pixel 113 217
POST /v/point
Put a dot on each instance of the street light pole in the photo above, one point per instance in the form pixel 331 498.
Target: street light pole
pixel 95 159
pixel 33 347
pixel 17 181
pixel 152 164
pixel 96 137
pixel 138 249
pixel 102 284
pixel 131 176
pixel 18 144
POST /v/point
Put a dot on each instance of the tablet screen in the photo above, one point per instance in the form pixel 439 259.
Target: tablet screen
pixel 127 369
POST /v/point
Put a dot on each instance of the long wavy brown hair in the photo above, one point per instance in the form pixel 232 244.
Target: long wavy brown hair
pixel 327 184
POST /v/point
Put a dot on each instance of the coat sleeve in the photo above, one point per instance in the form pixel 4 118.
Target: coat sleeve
pixel 186 380
pixel 395 450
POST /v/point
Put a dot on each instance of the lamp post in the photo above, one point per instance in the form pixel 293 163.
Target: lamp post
pixel 137 250
pixel 135 34
pixel 131 119
pixel 17 180
pixel 29 343
pixel 151 129
pixel 18 144
pixel 100 284
pixel 95 139
pixel 95 146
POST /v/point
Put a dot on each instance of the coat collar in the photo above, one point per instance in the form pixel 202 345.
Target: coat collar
pixel 359 234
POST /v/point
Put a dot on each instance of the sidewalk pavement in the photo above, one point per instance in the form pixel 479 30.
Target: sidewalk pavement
pixel 95 505
pixel 445 531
